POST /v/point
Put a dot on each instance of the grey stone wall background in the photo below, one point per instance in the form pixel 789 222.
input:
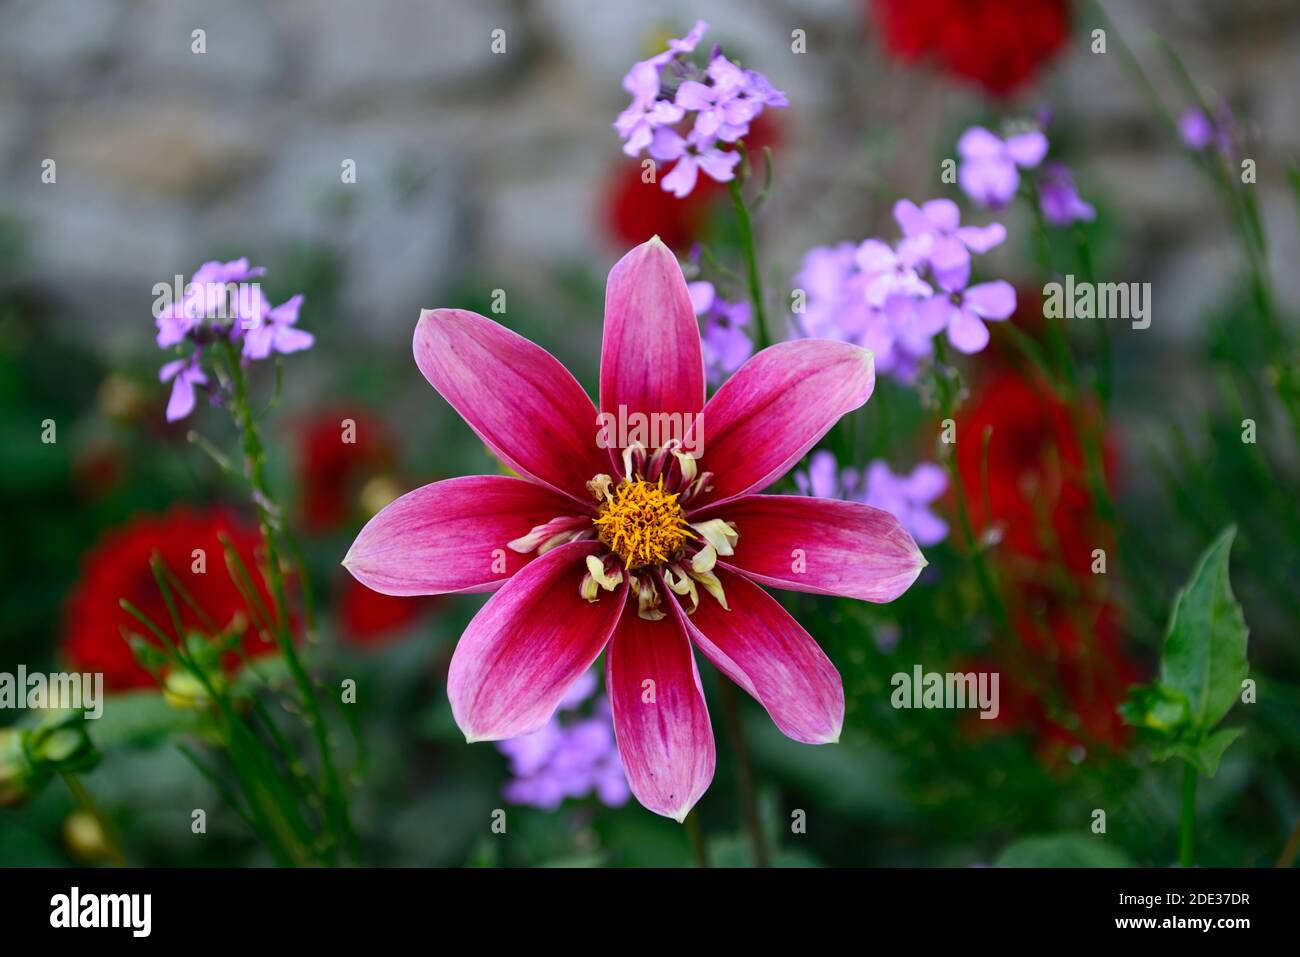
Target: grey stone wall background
pixel 467 158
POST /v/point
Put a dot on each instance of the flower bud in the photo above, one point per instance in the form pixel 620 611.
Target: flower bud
pixel 61 744
pixel 18 777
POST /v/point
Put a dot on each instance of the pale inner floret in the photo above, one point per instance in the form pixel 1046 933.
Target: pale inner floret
pixel 642 524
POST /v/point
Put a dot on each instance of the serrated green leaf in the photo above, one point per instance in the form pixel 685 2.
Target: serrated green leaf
pixel 1063 850
pixel 1204 653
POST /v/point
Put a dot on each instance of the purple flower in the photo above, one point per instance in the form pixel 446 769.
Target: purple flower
pixel 219 303
pixel 1059 200
pixel 694 153
pixel 726 345
pixel 682 46
pixel 571 757
pixel 935 232
pixel 718 103
pixel 279 333
pixel 646 113
pixel 825 478
pixel 888 272
pixel 907 498
pixel 989 172
pixel 1200 131
pixel 184 375
pixel 726 105
pixel 963 311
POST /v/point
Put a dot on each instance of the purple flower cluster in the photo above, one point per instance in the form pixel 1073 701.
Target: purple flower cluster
pixel 688 116
pixel 219 303
pixel 990 168
pixel 722 335
pixel 894 299
pixel 569 758
pixel 906 497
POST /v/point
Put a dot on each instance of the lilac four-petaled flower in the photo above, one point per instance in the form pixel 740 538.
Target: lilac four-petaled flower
pixel 717 103
pixel 220 304
pixel 723 339
pixel 989 171
pixel 570 756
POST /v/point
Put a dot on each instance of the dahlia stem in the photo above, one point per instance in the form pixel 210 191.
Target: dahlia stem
pixel 1187 819
pixel 751 263
pixel 254 459
pixel 744 773
pixel 88 805
pixel 692 823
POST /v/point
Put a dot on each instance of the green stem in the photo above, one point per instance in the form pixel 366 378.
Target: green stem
pixel 254 460
pixel 744 773
pixel 1187 819
pixel 751 263
pixel 88 805
pixel 692 823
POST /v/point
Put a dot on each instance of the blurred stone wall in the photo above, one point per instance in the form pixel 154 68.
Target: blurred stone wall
pixel 466 158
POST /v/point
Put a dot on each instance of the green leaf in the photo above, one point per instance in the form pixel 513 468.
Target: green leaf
pixel 1204 654
pixel 1204 755
pixel 1063 850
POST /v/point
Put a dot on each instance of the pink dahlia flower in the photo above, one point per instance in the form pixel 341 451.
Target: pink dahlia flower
pixel 643 550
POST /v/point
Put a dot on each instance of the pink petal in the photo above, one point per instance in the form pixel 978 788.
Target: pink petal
pixel 515 395
pixel 452 536
pixel 768 415
pixel 651 359
pixel 761 648
pixel 661 721
pixel 528 644
pixel 821 545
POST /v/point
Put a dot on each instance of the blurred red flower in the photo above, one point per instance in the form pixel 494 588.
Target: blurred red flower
pixel 1068 673
pixel 1035 493
pixel 118 567
pixel 337 450
pixel 997 44
pixel 368 618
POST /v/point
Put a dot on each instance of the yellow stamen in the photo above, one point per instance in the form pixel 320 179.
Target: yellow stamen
pixel 642 524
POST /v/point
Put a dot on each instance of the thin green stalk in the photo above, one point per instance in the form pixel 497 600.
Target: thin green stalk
pixel 88 805
pixel 947 403
pixel 698 848
pixel 1187 819
pixel 744 773
pixel 254 457
pixel 751 263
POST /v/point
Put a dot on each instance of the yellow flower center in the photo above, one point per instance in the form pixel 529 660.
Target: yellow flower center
pixel 641 523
